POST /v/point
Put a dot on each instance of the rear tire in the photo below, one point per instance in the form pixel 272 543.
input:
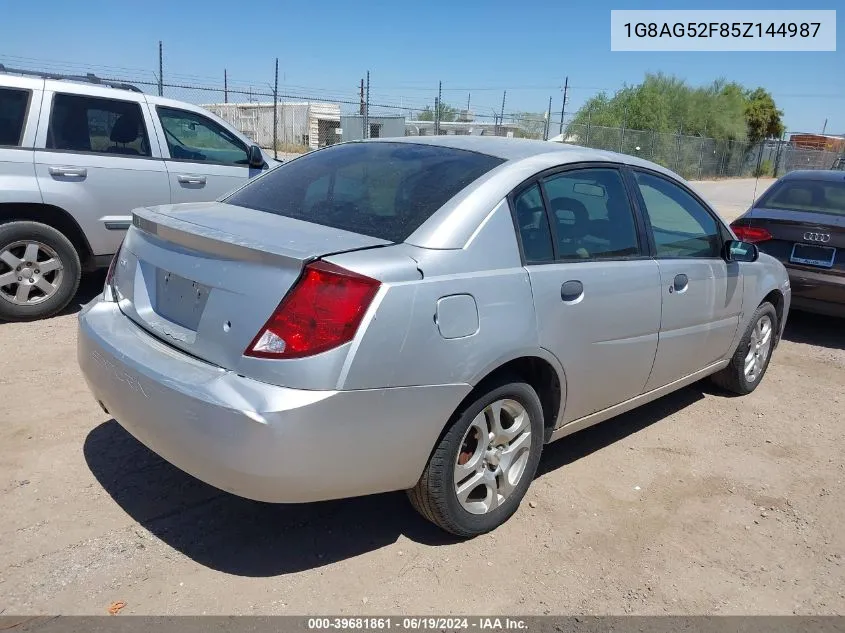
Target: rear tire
pixel 482 467
pixel 39 271
pixel 751 359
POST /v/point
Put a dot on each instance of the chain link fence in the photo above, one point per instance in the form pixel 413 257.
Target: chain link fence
pixel 290 123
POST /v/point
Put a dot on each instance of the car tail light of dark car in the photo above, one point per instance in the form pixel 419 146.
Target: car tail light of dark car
pixel 751 233
pixel 322 311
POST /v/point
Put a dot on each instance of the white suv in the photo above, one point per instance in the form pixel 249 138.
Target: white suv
pixel 76 156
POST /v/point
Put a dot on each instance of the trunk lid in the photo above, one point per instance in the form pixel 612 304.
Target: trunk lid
pixel 802 239
pixel 206 277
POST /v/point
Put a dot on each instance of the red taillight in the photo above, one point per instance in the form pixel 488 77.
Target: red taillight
pixel 751 233
pixel 321 312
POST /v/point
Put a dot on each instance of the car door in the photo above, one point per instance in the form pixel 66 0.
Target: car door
pixel 701 293
pixel 94 159
pixel 596 290
pixel 19 109
pixel 204 160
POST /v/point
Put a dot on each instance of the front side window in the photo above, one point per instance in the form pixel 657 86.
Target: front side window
pixel 91 124
pixel 533 226
pixel 819 196
pixel 592 215
pixel 384 190
pixel 681 226
pixel 13 105
pixel 193 137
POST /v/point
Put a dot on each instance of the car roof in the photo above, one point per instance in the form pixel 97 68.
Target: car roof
pixel 814 174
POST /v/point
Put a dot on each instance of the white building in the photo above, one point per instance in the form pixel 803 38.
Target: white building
pixel 303 123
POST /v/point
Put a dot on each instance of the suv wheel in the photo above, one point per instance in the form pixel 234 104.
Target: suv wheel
pixel 39 271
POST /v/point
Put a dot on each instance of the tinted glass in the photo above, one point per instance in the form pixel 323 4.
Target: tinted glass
pixel 385 190
pixel 533 226
pixel 592 215
pixel 90 124
pixel 194 137
pixel 12 114
pixel 682 227
pixel 807 195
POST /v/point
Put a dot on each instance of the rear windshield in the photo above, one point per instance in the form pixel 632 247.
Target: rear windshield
pixel 384 190
pixel 821 196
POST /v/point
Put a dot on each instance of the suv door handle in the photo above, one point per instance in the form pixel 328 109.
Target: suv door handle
pixel 185 179
pixel 572 291
pixel 68 172
pixel 680 283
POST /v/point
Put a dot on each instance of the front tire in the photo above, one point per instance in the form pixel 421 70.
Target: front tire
pixel 481 468
pixel 39 271
pixel 751 359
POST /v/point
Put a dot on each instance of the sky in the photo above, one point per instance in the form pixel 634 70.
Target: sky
pixel 476 49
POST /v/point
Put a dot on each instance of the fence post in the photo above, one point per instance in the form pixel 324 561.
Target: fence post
pixel 589 118
pixel 622 136
pixel 502 116
pixel 225 86
pixel 653 134
pixel 548 121
pixel 276 113
pixel 678 151
pixel 759 160
pixel 701 153
pixel 160 70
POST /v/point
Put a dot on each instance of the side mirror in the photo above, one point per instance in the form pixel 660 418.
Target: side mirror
pixel 256 158
pixel 739 251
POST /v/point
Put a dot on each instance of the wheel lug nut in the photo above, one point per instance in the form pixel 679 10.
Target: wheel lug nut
pixel 37 272
pixel 31 280
pixel 20 278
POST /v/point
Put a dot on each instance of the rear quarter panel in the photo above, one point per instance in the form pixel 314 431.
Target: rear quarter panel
pixel 404 345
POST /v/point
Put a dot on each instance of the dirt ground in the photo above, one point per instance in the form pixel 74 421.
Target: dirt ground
pixel 698 503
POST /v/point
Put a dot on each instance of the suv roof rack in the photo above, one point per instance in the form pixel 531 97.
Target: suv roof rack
pixel 88 78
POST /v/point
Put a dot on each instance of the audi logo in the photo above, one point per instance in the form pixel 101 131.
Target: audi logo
pixel 817 237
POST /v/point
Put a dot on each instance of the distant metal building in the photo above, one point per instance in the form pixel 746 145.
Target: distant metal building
pixel 352 127
pixel 301 123
pixel 461 128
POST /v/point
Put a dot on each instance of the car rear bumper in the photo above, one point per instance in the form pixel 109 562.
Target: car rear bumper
pixel 820 292
pixel 253 439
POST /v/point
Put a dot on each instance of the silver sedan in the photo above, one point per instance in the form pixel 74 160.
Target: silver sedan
pixel 421 314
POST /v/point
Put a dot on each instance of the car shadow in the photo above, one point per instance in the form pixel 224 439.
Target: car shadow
pixel 90 286
pixel 250 538
pixel 815 329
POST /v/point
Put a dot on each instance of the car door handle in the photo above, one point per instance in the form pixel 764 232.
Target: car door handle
pixel 572 291
pixel 680 284
pixel 68 172
pixel 185 179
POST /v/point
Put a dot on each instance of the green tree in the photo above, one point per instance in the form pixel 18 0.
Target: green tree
pixel 447 113
pixel 762 116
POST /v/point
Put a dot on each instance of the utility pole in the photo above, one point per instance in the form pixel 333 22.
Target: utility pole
pixel 502 116
pixel 367 109
pixel 160 70
pixel 438 108
pixel 276 113
pixel 824 127
pixel 469 94
pixel 563 105
pixel 225 86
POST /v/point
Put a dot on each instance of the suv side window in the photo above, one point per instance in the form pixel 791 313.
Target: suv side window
pixel 92 124
pixel 592 214
pixel 13 107
pixel 193 137
pixel 681 226
pixel 533 226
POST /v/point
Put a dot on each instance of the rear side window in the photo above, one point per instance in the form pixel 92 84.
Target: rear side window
pixel 806 195
pixel 91 124
pixel 13 105
pixel 384 190
pixel 592 216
